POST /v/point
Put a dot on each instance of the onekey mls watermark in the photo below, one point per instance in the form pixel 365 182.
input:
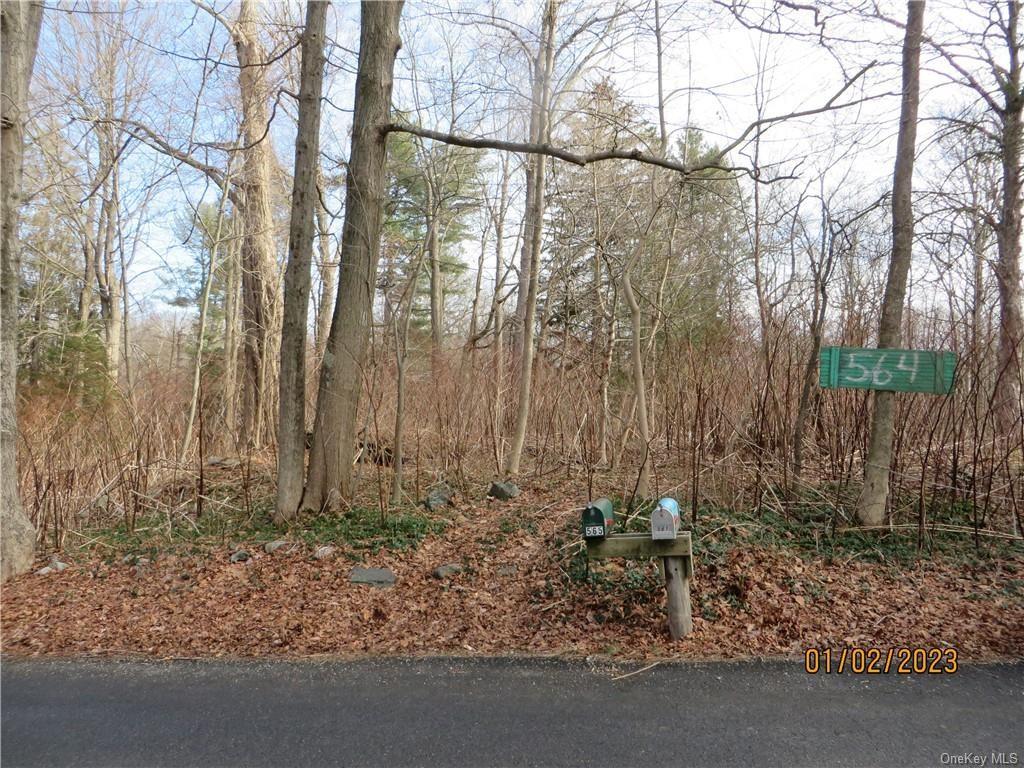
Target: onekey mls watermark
pixel 980 759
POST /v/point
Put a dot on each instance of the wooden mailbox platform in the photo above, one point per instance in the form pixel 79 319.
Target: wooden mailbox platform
pixel 677 556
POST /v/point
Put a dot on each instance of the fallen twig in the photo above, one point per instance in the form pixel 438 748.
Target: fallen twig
pixel 636 671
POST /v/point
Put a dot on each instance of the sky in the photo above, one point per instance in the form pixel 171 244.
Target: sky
pixel 711 64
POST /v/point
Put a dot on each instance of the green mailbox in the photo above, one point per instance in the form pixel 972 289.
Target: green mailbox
pixel 598 519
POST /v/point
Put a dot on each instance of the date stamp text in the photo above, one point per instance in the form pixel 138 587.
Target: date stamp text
pixel 881 661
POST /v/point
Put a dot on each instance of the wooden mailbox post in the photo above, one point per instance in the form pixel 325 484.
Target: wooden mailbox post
pixel 677 555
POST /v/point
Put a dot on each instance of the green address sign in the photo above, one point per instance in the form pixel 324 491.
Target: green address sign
pixel 898 370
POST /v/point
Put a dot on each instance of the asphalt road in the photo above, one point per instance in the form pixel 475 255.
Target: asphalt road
pixel 498 712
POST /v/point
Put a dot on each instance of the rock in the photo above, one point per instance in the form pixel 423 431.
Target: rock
pixel 375 577
pixel 444 571
pixel 503 491
pixel 220 461
pixel 273 546
pixel 129 559
pixel 55 566
pixel 506 570
pixel 240 556
pixel 324 552
pixel 438 497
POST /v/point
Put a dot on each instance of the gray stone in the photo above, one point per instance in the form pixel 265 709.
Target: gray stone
pixel 444 571
pixel 273 546
pixel 44 571
pixel 503 491
pixel 324 552
pixel 240 556
pixel 220 461
pixel 375 577
pixel 438 497
pixel 507 570
pixel 57 565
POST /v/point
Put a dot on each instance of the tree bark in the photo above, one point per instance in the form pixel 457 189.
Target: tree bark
pixel 85 296
pixel 231 326
pixel 291 430
pixel 643 483
pixel 19 39
pixel 534 175
pixel 402 320
pixel 1008 236
pixel 334 431
pixel 328 283
pixel 821 269
pixel 873 496
pixel 497 312
pixel 436 295
pixel 108 279
pixel 260 298
pixel 204 305
pixel 532 242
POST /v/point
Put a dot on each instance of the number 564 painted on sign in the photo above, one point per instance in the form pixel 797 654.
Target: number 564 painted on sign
pixel 897 370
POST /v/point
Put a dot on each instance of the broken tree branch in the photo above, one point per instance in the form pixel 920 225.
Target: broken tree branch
pixel 715 163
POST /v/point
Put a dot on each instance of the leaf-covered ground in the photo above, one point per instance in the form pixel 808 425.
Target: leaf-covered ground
pixel 763 587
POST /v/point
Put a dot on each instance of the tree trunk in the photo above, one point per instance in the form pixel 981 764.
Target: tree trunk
pixel 231 326
pixel 260 299
pixel 643 483
pixel 89 271
pixel 478 280
pixel 607 357
pixel 110 281
pixel 540 103
pixel 403 319
pixel 334 432
pixel 820 270
pixel 530 260
pixel 1008 235
pixel 497 313
pixel 19 39
pixel 291 430
pixel 328 281
pixel 807 385
pixel 204 305
pixel 873 496
pixel 436 288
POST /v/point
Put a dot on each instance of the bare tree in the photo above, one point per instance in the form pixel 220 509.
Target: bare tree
pixel 529 264
pixel 251 193
pixel 215 237
pixel 402 320
pixel 874 494
pixel 19 40
pixel 341 374
pixel 1010 114
pixel 291 431
pixel 328 268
